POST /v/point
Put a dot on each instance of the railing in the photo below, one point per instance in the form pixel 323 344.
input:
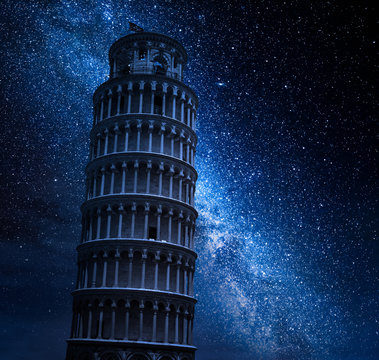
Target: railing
pixel 147 70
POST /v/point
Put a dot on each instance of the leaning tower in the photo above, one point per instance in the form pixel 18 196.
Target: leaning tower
pixel 136 261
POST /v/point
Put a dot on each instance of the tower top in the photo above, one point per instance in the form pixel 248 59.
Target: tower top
pixel 149 39
pixel 147 52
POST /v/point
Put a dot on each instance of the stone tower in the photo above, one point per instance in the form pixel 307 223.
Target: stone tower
pixel 136 261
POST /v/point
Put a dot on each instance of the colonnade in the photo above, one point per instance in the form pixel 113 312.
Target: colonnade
pixel 141 176
pixel 133 319
pixel 138 220
pixel 144 136
pixel 145 97
pixel 137 269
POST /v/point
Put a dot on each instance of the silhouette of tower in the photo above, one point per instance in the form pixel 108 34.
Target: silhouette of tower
pixel 136 261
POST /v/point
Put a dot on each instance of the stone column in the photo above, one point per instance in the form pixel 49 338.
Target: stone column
pixel 98 234
pixel 141 88
pixel 134 210
pixel 188 221
pixel 157 259
pixel 102 181
pixel 182 100
pixel 164 88
pixel 123 183
pixel 85 275
pixel 127 308
pixel 159 214
pixel 174 95
pixel 193 117
pixel 189 113
pixel 191 235
pixel 180 219
pixel 188 150
pixel 113 170
pixel 160 171
pixel 109 103
pixel 172 136
pixel 185 288
pixel 150 131
pixel 130 272
pixel 188 181
pixel 162 133
pixel 119 91
pixel 169 260
pixel 136 166
pixel 94 272
pixel 127 129
pixel 113 308
pixel 130 90
pixel 181 144
pixel 116 268
pixel 139 130
pixel 178 263
pixel 90 235
pixel 190 329
pixel 105 265
pixel 155 311
pixel 148 176
pixel 141 307
pixel 120 211
pixel 170 214
pixel 181 176
pixel 146 225
pixel 167 311
pixel 153 89
pixel 116 130
pixel 171 174
pixel 190 281
pixel 177 325
pixel 143 272
pixel 192 193
pixel 109 218
pixel 185 327
pixel 101 317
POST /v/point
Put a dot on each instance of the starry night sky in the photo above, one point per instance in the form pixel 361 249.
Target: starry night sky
pixel 286 233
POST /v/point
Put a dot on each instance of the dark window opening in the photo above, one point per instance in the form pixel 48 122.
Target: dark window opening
pixel 159 67
pixel 142 54
pixel 125 70
pixel 158 104
pixel 152 233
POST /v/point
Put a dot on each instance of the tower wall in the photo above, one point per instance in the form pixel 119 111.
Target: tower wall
pixel 136 261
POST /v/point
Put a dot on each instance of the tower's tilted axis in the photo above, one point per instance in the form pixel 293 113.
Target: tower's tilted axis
pixel 136 261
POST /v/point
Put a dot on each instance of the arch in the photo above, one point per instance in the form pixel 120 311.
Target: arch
pixel 160 65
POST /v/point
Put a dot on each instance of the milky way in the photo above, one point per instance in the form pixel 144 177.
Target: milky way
pixel 286 233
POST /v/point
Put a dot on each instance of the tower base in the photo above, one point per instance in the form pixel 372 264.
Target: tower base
pixel 121 350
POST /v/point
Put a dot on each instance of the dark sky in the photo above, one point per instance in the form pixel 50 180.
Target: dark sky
pixel 286 235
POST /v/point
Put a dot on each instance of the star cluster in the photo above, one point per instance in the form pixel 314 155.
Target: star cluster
pixel 286 233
